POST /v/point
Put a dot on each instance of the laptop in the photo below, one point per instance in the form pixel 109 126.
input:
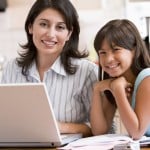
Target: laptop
pixel 27 118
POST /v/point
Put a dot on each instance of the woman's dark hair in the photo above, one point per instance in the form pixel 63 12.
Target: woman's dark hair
pixel 125 34
pixel 70 49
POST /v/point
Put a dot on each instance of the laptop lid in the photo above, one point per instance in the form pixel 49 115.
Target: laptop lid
pixel 27 117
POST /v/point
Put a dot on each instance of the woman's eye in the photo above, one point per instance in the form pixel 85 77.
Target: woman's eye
pixel 43 24
pixel 61 27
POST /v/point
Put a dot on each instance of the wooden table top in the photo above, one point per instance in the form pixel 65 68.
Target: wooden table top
pixel 146 148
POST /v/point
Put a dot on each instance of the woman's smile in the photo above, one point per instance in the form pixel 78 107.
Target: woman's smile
pixel 48 43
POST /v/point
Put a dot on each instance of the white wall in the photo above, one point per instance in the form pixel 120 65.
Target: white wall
pixel 12 23
pixel 12 29
pixel 136 11
pixel 92 20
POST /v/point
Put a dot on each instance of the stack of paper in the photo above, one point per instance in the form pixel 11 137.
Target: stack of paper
pixel 103 142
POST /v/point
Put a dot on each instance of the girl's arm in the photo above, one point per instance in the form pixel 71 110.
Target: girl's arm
pixel 102 111
pixel 136 121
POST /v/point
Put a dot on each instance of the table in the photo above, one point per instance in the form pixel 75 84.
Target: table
pixel 48 148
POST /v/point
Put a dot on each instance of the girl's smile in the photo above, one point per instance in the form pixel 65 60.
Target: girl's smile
pixel 116 61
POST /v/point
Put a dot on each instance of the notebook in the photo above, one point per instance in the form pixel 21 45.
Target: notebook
pixel 27 118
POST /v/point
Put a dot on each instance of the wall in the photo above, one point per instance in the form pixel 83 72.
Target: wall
pixel 12 28
pixel 137 11
pixel 91 20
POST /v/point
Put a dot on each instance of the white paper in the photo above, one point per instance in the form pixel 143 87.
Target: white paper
pixel 104 142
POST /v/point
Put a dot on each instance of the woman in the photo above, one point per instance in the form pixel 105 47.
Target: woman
pixel 51 56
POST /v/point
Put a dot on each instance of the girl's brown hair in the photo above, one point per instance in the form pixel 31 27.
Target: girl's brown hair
pixel 125 34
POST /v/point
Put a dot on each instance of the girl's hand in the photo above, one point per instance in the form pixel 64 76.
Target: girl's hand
pixel 121 84
pixel 103 85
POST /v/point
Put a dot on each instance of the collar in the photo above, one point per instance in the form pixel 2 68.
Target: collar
pixel 56 67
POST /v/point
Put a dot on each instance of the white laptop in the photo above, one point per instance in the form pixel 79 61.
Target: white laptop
pixel 27 118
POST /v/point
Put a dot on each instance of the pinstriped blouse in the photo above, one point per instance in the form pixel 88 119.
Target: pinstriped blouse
pixel 70 95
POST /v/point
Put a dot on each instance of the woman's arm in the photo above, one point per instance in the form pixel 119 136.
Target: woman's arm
pixel 102 111
pixel 75 128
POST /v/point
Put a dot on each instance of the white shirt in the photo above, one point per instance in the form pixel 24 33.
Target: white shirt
pixel 70 95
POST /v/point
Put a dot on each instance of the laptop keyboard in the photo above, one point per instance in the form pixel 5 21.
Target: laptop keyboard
pixel 64 135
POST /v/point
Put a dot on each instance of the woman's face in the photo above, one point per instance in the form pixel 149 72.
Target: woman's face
pixel 49 32
pixel 115 61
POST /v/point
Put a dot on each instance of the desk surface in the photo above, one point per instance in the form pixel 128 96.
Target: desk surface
pixel 47 148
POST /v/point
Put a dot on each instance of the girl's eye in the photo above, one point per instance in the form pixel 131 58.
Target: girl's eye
pixel 102 52
pixel 117 48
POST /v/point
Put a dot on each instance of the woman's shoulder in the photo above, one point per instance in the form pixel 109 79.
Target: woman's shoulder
pixel 86 68
pixel 11 64
pixel 85 62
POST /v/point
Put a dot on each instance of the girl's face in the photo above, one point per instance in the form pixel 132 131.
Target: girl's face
pixel 49 32
pixel 115 61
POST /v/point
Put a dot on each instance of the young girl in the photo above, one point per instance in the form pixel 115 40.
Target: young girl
pixel 124 76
